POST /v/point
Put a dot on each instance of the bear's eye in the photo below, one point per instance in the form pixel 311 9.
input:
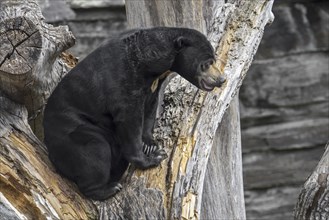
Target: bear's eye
pixel 205 66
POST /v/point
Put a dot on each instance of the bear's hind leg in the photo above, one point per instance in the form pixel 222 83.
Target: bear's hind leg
pixel 113 186
pixel 94 158
pixel 118 170
pixel 103 192
pixel 95 179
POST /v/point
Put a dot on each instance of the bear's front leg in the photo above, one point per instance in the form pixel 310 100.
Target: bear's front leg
pixel 129 131
pixel 150 109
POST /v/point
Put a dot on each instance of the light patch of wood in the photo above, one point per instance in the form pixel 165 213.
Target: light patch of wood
pixel 155 83
pixel 28 182
pixel 189 207
pixel 157 175
pixel 182 155
pixel 20 200
pixel 70 60
pixel 13 189
pixel 224 47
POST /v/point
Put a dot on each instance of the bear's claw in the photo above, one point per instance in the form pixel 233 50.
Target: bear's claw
pixel 159 154
pixel 115 187
pixel 149 148
pixel 118 187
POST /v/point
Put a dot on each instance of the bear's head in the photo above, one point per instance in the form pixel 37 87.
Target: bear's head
pixel 195 61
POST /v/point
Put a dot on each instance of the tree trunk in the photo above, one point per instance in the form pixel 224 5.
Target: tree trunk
pixel 186 126
pixel 223 185
pixel 189 120
pixel 313 201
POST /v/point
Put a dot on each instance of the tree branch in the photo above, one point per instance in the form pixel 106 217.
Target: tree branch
pixel 313 201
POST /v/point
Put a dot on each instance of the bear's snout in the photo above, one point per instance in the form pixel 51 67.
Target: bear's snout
pixel 211 78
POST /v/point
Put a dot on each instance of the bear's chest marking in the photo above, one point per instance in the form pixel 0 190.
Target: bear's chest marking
pixel 155 83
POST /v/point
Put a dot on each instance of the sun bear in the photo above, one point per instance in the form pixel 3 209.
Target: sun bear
pixel 101 115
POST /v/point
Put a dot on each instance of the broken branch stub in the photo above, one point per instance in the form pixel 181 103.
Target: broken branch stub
pixel 30 66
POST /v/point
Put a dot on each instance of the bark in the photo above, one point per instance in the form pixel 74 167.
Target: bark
pixel 223 184
pixel 31 67
pixel 313 201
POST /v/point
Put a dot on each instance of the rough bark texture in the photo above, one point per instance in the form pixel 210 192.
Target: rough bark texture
pixel 186 127
pixel 313 201
pixel 30 68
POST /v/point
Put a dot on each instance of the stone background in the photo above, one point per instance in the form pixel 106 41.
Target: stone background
pixel 284 98
pixel 284 108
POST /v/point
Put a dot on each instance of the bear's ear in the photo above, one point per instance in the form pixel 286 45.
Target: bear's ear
pixel 180 43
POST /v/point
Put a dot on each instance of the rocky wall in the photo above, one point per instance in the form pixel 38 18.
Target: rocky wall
pixel 284 108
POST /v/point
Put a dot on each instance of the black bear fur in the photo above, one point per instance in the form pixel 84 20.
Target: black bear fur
pixel 101 115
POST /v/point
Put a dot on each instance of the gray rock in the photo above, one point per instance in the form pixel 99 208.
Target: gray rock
pixel 91 27
pixel 263 170
pixel 289 81
pixel 56 11
pixel 285 89
pixel 301 26
pixel 255 116
pixel 286 136
pixel 284 108
pixel 91 34
pixel 271 204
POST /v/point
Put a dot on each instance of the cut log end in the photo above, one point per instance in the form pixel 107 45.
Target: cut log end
pixel 21 47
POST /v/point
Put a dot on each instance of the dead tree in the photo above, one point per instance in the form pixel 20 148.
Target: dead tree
pixel 313 201
pixel 31 64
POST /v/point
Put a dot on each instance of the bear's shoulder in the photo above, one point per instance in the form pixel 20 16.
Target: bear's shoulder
pixel 131 36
